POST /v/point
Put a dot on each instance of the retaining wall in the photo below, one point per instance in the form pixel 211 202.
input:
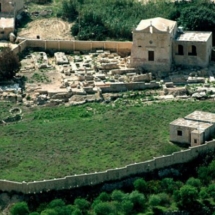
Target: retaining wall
pixel 73 181
pixel 75 45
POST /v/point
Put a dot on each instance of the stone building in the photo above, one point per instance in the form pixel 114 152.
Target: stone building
pixel 158 44
pixel 9 9
pixel 194 129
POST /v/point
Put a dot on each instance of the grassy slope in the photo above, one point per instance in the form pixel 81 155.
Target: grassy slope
pixel 54 142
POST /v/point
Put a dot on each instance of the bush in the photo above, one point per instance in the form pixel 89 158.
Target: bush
pixel 82 204
pixel 203 194
pixel 118 195
pixel 104 197
pixel 211 190
pixel 9 63
pixel 49 211
pixel 188 195
pixel 20 208
pixel 127 206
pixel 165 199
pixel 104 208
pixel 138 199
pixel 140 185
pixel 195 182
pixel 56 203
pixel 154 200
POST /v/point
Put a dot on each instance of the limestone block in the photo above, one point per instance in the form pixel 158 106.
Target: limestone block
pixel 88 77
pixel 169 84
pixel 56 101
pixel 12 37
pixel 19 98
pixel 142 77
pixel 195 80
pixel 100 76
pixel 60 58
pixel 62 95
pixel 88 89
pixel 77 91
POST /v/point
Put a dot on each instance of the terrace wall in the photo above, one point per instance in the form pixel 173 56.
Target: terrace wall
pixel 73 181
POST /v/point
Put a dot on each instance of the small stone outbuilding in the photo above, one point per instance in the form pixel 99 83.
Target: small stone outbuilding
pixel 9 9
pixel 158 44
pixel 194 129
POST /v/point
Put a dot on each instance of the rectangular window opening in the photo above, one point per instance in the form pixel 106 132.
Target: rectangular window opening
pixel 195 141
pixel 150 55
pixel 179 133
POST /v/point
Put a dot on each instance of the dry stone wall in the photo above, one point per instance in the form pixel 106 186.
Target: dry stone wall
pixel 74 181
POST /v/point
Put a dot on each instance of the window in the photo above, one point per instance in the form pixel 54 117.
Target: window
pixel 139 46
pixel 180 50
pixel 192 51
pixel 195 141
pixel 179 133
pixel 150 55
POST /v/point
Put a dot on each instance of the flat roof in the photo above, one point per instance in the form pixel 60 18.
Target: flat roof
pixel 201 116
pixel 6 23
pixel 191 124
pixel 196 36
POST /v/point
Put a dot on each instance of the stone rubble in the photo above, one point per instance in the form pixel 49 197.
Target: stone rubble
pixel 101 75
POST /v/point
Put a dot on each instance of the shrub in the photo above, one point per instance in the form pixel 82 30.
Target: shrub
pixel 56 202
pixel 104 197
pixel 140 185
pixel 20 208
pixel 164 198
pixel 82 204
pixel 203 194
pixel 49 212
pixel 195 182
pixel 138 199
pixel 118 195
pixel 188 195
pixel 211 190
pixel 154 200
pixel 127 206
pixel 104 208
pixel 9 63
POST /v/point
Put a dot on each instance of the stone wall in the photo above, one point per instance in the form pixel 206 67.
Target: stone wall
pixel 203 50
pixel 75 45
pixel 20 47
pixel 69 182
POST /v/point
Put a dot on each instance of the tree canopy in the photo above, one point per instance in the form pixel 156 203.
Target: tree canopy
pixel 9 63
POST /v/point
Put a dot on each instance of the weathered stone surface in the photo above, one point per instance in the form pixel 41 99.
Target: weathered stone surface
pixel 60 58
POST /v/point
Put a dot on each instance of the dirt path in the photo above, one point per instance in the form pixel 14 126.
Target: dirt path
pixel 51 28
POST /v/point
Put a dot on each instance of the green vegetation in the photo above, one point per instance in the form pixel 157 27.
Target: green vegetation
pixel 115 19
pixel 191 195
pixel 59 141
pixel 9 63
pixel 39 76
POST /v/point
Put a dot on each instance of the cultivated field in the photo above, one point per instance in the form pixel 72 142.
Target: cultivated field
pixel 59 141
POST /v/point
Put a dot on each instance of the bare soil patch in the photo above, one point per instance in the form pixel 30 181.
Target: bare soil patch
pixel 52 28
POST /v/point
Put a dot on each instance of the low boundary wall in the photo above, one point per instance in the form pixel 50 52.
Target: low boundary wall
pixel 74 45
pixel 74 181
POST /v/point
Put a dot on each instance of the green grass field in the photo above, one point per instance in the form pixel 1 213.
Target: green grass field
pixel 59 141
